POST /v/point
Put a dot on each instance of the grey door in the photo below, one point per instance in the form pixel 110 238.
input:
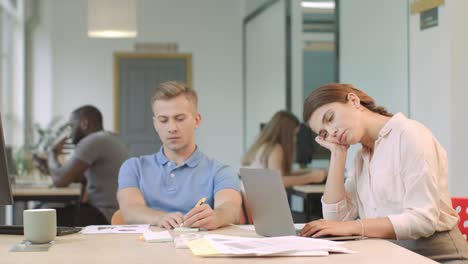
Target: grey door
pixel 136 76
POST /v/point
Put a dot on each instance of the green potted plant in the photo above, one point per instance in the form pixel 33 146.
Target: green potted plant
pixel 48 135
pixel 45 138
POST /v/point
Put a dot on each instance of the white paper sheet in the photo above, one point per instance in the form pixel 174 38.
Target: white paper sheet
pixel 157 237
pixel 252 227
pixel 182 240
pixel 271 246
pixel 115 229
pixel 246 227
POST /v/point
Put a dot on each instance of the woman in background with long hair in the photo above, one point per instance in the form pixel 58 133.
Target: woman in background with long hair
pixel 274 149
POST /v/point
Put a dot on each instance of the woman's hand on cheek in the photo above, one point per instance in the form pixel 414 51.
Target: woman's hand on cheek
pixel 331 145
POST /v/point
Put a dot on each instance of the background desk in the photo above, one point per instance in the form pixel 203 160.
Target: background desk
pixel 29 192
pixel 41 193
pixel 304 201
pixel 126 248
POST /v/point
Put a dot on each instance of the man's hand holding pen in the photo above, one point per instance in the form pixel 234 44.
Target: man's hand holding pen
pixel 170 220
pixel 202 216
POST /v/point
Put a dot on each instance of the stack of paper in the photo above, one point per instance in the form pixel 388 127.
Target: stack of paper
pixel 219 245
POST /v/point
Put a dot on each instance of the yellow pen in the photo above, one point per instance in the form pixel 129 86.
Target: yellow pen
pixel 200 202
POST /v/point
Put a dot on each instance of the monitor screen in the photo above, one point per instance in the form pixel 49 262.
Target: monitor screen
pixel 5 188
pixel 307 148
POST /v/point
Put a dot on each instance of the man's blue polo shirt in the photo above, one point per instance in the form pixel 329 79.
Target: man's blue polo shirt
pixel 172 188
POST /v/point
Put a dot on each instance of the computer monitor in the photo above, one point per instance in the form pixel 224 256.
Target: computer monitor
pixel 10 160
pixel 5 189
pixel 307 148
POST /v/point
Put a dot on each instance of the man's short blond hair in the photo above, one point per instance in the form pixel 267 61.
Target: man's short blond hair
pixel 172 89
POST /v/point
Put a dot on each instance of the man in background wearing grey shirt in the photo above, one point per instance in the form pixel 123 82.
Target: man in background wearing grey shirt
pixel 96 160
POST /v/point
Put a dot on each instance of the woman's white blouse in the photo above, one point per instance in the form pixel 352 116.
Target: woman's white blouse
pixel 406 181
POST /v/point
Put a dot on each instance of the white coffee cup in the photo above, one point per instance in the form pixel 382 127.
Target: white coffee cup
pixel 40 225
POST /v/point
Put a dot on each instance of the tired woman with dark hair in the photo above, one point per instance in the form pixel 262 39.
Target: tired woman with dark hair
pixel 398 188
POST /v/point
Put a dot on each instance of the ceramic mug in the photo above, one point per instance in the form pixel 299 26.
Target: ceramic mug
pixel 40 225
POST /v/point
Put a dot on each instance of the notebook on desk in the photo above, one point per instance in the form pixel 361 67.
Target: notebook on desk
pixel 269 205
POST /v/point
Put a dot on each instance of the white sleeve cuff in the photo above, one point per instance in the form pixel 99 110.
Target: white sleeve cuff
pixel 400 226
pixel 336 211
pixel 409 226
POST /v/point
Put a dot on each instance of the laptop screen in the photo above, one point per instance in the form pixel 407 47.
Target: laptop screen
pixel 268 202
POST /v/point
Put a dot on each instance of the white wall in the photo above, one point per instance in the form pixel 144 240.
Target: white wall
pixel 382 50
pixel 439 59
pixel 265 50
pixel 41 60
pixel 81 67
pixel 12 74
pixel 252 5
pixel 297 43
pixel 374 52
pixel 430 74
pixel 459 92
pixel 296 53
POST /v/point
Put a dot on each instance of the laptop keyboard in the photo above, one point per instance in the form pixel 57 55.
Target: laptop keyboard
pixel 19 230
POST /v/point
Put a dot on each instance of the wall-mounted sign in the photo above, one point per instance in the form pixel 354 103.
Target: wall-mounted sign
pixel 156 47
pixel 429 18
pixel 418 6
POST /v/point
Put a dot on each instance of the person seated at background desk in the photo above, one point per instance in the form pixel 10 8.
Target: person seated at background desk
pixel 162 188
pixel 399 186
pixel 274 149
pixel 97 157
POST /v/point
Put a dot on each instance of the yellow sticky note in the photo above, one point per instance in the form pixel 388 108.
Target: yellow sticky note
pixel 202 247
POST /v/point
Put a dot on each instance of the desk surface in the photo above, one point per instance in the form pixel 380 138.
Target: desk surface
pixel 19 190
pixel 310 188
pixel 126 248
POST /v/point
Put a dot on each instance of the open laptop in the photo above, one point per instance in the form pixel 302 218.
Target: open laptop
pixel 269 205
pixel 6 197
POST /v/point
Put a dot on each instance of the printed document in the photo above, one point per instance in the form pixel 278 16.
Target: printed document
pixel 115 229
pixel 252 227
pixel 219 245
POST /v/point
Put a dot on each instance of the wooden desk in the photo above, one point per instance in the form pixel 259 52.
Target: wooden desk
pixel 126 248
pixel 304 201
pixel 43 193
pixel 310 188
pixel 29 192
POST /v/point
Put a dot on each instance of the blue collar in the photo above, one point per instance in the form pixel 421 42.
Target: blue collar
pixel 192 161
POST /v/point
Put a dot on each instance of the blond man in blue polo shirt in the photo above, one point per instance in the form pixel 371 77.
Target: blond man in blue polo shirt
pixel 163 188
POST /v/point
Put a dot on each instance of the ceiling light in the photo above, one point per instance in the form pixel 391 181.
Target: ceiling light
pixel 112 19
pixel 319 5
